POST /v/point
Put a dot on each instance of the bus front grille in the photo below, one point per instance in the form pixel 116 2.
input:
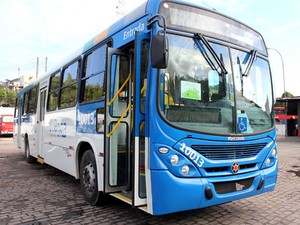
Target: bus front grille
pixel 223 152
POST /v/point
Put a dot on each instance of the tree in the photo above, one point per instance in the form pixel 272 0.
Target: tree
pixel 7 97
pixel 284 95
pixel 3 95
pixel 11 98
pixel 287 95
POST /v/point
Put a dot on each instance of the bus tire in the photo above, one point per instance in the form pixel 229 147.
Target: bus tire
pixel 29 159
pixel 88 178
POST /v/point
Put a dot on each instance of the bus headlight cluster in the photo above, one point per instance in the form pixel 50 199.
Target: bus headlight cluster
pixel 271 159
pixel 177 163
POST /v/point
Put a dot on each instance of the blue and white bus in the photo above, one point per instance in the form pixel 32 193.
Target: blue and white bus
pixel 169 109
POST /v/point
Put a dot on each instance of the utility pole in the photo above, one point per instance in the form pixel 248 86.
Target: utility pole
pixel 37 67
pixel 46 64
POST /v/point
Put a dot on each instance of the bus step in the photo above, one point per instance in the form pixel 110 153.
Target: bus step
pixel 40 160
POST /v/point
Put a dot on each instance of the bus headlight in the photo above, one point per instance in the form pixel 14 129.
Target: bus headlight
pixel 268 162
pixel 163 150
pixel 271 158
pixel 174 160
pixel 185 170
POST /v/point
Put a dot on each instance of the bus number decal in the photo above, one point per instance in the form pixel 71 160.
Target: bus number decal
pixel 192 154
pixel 86 122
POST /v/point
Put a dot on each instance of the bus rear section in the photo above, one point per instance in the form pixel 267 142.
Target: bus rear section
pixel 6 125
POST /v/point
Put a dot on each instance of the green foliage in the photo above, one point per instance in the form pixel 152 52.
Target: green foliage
pixel 287 95
pixel 7 97
pixel 3 95
pixel 284 95
pixel 11 98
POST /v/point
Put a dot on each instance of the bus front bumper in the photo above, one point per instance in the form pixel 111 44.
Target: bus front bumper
pixel 173 194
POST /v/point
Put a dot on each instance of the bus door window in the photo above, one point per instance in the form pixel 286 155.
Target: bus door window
pixel 144 62
pixel 120 86
pixel 42 104
pixel 143 73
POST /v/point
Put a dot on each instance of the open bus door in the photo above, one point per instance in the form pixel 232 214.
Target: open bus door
pixel 117 171
pixel 125 123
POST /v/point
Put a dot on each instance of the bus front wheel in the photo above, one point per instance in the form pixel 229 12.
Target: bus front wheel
pixel 88 178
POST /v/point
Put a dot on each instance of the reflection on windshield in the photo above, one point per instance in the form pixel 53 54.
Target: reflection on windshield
pixel 253 93
pixel 194 96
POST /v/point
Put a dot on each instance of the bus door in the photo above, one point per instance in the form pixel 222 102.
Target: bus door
pixel 142 42
pixel 118 124
pixel 125 122
pixel 41 122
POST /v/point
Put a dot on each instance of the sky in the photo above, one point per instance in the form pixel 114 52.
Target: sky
pixel 56 28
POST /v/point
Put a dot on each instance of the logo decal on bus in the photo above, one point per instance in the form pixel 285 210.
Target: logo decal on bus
pixel 58 129
pixel 192 154
pixel 131 32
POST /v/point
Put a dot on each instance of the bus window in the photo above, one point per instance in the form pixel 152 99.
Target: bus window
pixel 16 114
pixel 25 104
pixel 93 76
pixel 144 70
pixel 69 87
pixel 53 92
pixel 32 101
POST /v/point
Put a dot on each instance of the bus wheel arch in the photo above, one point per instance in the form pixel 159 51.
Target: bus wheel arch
pixel 29 159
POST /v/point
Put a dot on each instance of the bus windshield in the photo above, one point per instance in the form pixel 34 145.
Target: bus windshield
pixel 196 96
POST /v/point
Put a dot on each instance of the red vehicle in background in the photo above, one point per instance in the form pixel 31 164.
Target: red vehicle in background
pixel 6 121
pixel 6 125
pixel 281 115
pixel 290 121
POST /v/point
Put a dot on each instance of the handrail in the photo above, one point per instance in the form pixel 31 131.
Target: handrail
pixel 119 121
pixel 119 91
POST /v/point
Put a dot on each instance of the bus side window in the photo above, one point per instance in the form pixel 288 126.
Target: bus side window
pixel 69 87
pixel 92 82
pixel 53 91
pixel 32 101
pixel 25 104
pixel 16 113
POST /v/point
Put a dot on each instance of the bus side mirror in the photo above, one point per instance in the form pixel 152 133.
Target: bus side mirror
pixel 159 52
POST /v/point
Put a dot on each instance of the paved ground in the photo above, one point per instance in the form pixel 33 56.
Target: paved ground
pixel 39 194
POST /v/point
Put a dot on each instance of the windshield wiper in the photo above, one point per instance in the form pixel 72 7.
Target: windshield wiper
pixel 212 52
pixel 253 54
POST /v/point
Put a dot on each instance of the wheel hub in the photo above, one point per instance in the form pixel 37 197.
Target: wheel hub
pixel 89 178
